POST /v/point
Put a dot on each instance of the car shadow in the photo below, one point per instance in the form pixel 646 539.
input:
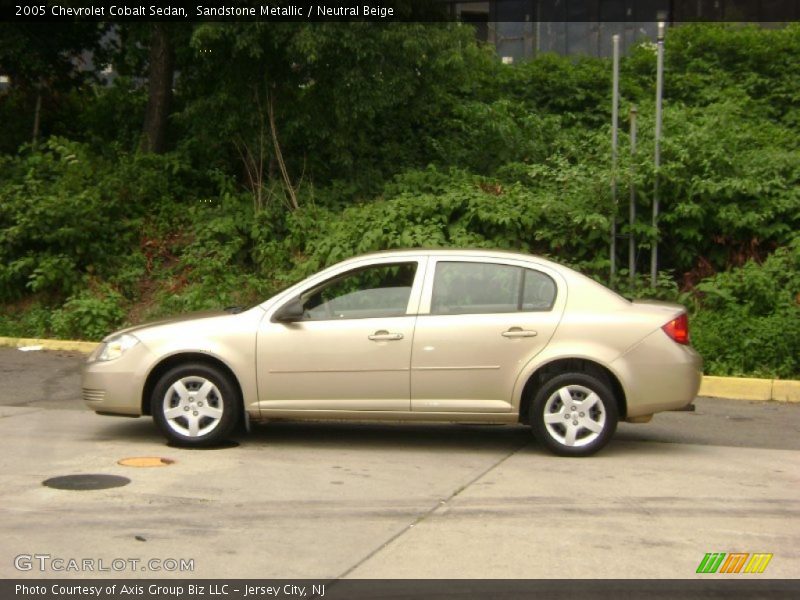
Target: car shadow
pixel 392 436
pixel 350 435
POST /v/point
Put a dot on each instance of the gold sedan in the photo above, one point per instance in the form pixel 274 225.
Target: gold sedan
pixel 416 335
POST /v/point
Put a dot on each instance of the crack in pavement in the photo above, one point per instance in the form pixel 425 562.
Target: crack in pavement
pixel 30 409
pixel 421 518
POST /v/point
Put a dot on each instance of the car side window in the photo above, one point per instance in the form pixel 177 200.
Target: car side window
pixel 538 292
pixel 375 291
pixel 479 288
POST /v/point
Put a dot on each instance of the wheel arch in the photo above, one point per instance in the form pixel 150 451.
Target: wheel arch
pixel 175 360
pixel 570 365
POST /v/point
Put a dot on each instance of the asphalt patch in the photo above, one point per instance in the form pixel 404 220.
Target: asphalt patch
pixel 86 482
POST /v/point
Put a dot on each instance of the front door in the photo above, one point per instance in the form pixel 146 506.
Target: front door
pixel 351 350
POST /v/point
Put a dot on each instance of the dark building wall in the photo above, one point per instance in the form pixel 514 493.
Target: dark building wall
pixel 520 29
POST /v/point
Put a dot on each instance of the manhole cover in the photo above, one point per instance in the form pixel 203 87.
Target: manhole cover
pixel 86 482
pixel 216 446
pixel 145 461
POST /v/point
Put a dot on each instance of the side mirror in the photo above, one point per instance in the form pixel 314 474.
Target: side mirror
pixel 291 312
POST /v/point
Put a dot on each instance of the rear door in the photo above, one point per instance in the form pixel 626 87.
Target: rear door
pixel 481 321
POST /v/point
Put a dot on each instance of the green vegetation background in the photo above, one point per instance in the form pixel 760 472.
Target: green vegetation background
pixel 293 146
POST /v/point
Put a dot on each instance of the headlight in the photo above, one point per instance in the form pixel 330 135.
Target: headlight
pixel 115 347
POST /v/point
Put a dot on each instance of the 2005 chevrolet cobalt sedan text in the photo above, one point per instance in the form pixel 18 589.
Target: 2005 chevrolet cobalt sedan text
pixel 428 335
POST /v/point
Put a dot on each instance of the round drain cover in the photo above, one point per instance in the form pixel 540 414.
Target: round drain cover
pixel 145 461
pixel 86 482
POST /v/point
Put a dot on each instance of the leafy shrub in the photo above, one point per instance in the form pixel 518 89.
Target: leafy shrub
pixel 216 266
pixel 737 342
pixel 666 287
pixel 558 213
pixel 54 222
pixel 482 137
pixel 32 320
pixel 747 320
pixel 89 315
pixel 729 191
pixel 65 212
pixel 116 113
pixel 579 88
pixel 706 63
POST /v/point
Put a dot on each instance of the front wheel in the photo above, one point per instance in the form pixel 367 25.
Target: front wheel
pixel 574 414
pixel 195 405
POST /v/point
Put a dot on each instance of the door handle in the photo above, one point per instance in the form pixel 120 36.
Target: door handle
pixel 383 335
pixel 518 332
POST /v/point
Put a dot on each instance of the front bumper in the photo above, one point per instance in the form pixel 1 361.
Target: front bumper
pixel 115 386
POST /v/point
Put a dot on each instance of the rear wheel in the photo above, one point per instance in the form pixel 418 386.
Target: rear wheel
pixel 574 414
pixel 195 405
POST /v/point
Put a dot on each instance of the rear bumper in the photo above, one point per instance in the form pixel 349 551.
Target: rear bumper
pixel 659 375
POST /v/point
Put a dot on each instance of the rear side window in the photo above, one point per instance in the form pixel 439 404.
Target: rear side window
pixel 538 291
pixel 473 288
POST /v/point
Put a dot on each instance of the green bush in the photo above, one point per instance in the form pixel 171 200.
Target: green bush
pixel 219 261
pixel 482 137
pixel 558 212
pixel 54 221
pixel 747 321
pixel 89 315
pixel 739 343
pixel 761 288
pixel 31 320
pixel 66 212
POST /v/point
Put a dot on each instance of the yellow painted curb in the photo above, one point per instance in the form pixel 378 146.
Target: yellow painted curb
pixel 742 388
pixel 786 391
pixel 67 345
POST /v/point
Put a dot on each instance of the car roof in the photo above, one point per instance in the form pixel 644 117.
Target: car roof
pixel 468 252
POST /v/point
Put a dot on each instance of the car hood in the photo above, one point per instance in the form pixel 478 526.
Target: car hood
pixel 193 316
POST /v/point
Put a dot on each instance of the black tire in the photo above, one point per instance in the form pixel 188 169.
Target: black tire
pixel 209 392
pixel 602 415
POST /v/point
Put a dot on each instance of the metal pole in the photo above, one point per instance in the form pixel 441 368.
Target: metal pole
pixel 37 111
pixel 614 128
pixel 632 207
pixel 659 93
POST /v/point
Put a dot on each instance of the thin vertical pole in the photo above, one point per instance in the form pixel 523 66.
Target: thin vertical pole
pixel 632 207
pixel 37 112
pixel 614 128
pixel 659 94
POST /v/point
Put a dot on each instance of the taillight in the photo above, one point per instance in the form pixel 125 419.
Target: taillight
pixel 678 329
